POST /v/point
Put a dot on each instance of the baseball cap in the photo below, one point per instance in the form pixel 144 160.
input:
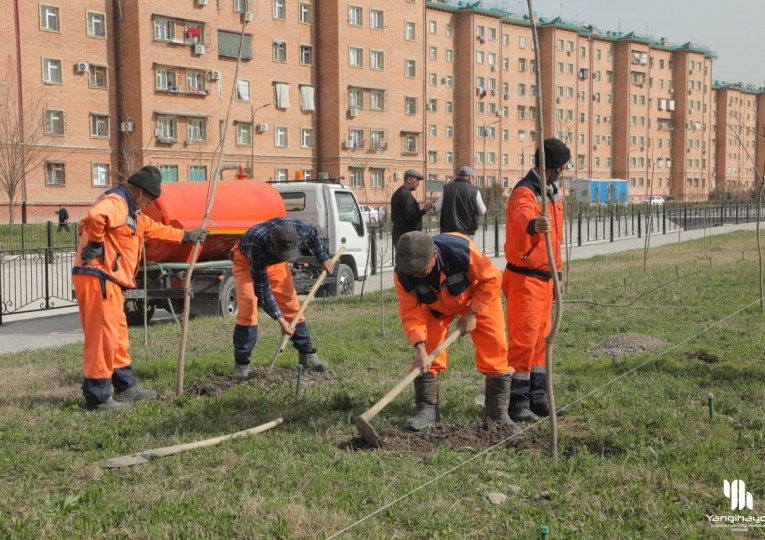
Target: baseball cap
pixel 286 243
pixel 413 174
pixel 466 171
pixel 413 252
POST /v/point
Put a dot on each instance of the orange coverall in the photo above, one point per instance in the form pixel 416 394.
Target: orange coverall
pixel 482 295
pixel 527 282
pixel 99 286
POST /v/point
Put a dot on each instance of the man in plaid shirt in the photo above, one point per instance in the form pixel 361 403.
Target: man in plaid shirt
pixel 262 275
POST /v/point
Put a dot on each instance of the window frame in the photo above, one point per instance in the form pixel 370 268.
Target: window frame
pixel 89 27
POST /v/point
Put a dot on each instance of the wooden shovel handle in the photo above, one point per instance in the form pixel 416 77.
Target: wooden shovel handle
pixel 303 306
pixel 387 398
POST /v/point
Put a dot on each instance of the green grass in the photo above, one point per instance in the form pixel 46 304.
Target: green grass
pixel 637 459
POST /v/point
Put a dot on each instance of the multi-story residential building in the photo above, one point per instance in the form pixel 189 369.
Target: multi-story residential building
pixel 360 90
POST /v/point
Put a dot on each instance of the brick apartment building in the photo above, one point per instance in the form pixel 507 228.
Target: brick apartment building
pixel 362 90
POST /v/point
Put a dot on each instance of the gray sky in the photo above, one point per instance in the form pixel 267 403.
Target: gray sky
pixel 731 28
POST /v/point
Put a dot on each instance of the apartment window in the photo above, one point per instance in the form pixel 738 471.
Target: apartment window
pixel 280 137
pixel 197 173
pixel 377 100
pixel 449 107
pixel 410 142
pixel 449 55
pixel 356 57
pixel 280 51
pixel 97 77
pixel 243 133
pixel 164 79
pixel 410 106
pixel 433 130
pixel 50 18
pixel 559 68
pixel 378 177
pixel 449 132
pixel 449 30
pixel 305 13
pixel 479 57
pixel 479 107
pixel 164 29
pixel 505 39
pixel 521 135
pixel 280 9
pixel 306 138
pixel 167 128
pixel 242 90
pixel 240 6
pixel 378 139
pixel 521 65
pixel 54 122
pixel 377 60
pixel 432 156
pixel 228 45
pixel 99 125
pixel 376 19
pixel 100 176
pixel 449 156
pixel 96 25
pixel 521 42
pixel 598 54
pixel 433 78
pixel 280 175
pixel 195 82
pixel 55 174
pixel 433 53
pixel 306 55
pixel 409 31
pixel 492 34
pixel 410 68
pixel 357 176
pixel 169 173
pixel 521 112
pixel 51 70
pixel 432 27
pixel 355 16
pixel 355 97
pixel 196 129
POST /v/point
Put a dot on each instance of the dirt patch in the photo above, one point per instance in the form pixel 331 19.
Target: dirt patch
pixel 628 344
pixel 215 385
pixel 705 357
pixel 472 438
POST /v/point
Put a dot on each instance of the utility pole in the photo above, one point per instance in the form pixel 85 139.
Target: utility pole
pixel 252 137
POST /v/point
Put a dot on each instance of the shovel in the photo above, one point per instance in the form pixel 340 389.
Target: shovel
pixel 144 457
pixel 308 298
pixel 362 422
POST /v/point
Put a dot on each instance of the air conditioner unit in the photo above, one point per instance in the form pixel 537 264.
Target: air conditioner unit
pixel 199 48
pixel 82 67
pixel 157 133
pixel 247 16
pixel 444 80
pixel 353 112
pixel 215 75
pixel 493 67
pixel 382 145
pixel 671 90
pixel 493 92
pixel 201 2
pixel 323 176
pixel 596 147
pixel 349 144
pixel 507 95
pixel 262 127
pixel 397 176
pixel 126 126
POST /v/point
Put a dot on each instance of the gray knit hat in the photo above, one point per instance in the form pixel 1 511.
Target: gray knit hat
pixel 414 250
pixel 149 179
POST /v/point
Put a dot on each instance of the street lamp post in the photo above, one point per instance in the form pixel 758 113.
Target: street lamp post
pixel 485 135
pixel 252 137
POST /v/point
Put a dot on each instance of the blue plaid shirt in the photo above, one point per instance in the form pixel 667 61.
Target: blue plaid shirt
pixel 256 245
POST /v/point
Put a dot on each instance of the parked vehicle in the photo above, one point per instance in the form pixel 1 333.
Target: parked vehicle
pixel 369 214
pixel 331 207
pixel 656 200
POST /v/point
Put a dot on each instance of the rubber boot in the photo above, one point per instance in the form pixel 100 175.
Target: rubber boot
pixel 312 361
pixel 426 400
pixel 538 401
pixel 134 393
pixel 519 401
pixel 240 371
pixel 498 400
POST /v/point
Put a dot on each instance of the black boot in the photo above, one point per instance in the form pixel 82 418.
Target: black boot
pixel 539 404
pixel 426 400
pixel 498 400
pixel 519 400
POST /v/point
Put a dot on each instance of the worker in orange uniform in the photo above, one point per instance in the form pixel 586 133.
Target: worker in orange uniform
pixel 107 263
pixel 438 278
pixel 527 281
pixel 263 278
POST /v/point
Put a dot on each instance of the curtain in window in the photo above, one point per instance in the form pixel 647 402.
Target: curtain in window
pixel 282 95
pixel 307 98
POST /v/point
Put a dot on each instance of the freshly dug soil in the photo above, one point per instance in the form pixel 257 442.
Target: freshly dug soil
pixel 215 385
pixel 628 344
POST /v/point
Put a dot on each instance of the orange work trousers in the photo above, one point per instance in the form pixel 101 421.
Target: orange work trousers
pixel 104 325
pixel 488 338
pixel 529 312
pixel 283 289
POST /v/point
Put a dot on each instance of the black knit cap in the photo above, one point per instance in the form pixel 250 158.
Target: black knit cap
pixel 149 179
pixel 286 243
pixel 557 154
pixel 414 250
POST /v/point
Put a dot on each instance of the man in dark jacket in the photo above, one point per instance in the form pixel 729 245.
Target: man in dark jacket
pixel 405 211
pixel 460 204
pixel 63 218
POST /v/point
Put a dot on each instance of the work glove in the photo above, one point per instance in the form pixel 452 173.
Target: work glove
pixel 197 235
pixel 93 250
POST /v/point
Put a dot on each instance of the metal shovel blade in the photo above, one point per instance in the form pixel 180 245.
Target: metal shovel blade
pixel 367 431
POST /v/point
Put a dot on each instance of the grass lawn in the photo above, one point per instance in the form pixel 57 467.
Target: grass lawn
pixel 638 455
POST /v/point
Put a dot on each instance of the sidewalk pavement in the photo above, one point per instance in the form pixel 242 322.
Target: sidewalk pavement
pixel 43 329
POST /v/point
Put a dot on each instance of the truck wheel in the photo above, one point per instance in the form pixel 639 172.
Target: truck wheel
pixel 134 312
pixel 343 285
pixel 228 305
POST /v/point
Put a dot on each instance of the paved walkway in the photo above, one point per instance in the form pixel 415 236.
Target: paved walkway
pixel 50 329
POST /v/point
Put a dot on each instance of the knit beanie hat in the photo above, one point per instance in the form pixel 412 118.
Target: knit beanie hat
pixel 414 250
pixel 149 179
pixel 557 154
